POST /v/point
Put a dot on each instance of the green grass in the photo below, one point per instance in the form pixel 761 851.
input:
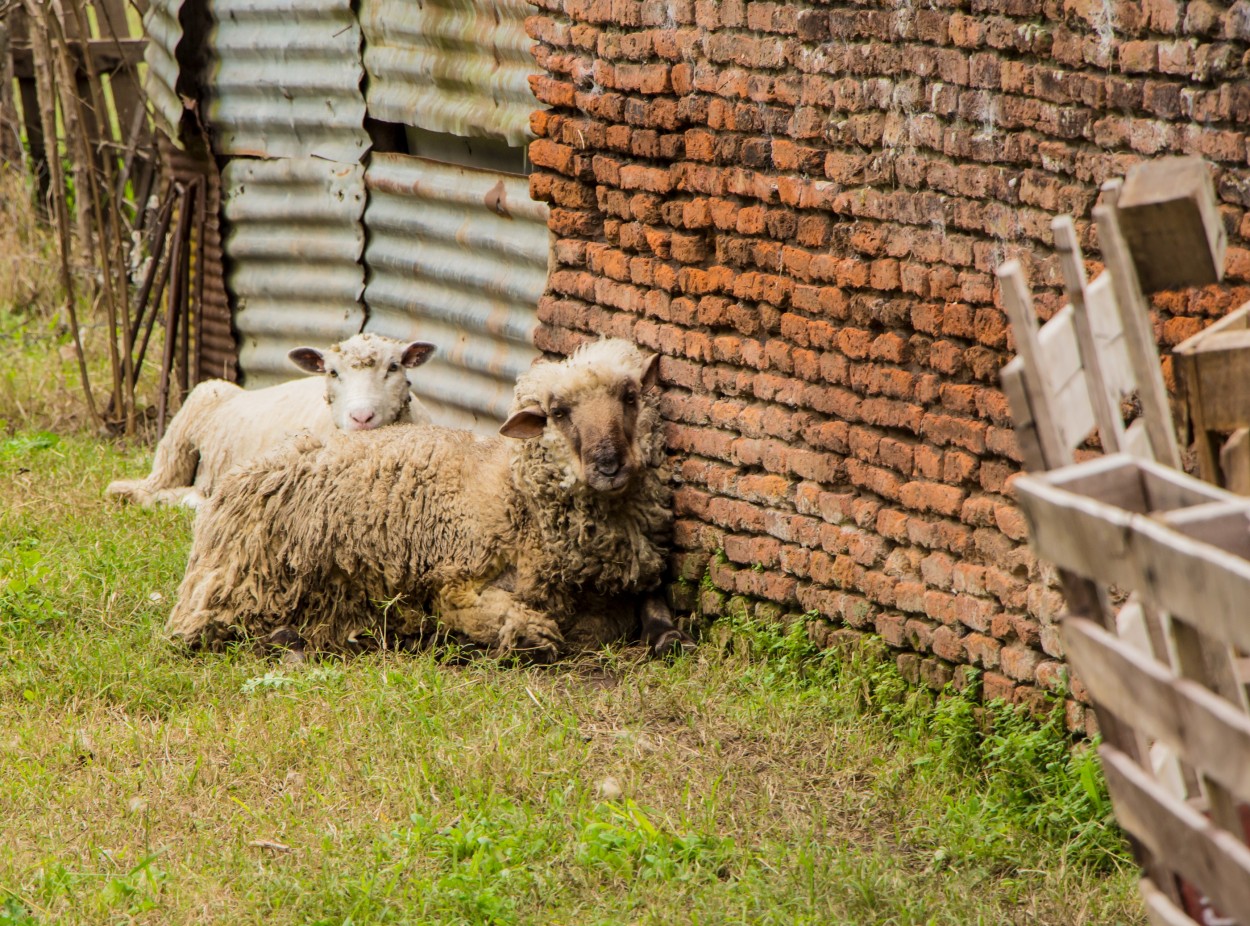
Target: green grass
pixel 753 781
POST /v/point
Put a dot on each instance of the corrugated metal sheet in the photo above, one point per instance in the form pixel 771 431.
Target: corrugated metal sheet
pixel 286 79
pixel 456 66
pixel 163 28
pixel 294 244
pixel 217 352
pixel 458 257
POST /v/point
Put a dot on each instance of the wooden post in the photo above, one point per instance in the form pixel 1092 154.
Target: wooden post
pixel 10 140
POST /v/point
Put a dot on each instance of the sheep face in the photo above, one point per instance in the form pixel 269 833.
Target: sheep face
pixel 366 378
pixel 594 413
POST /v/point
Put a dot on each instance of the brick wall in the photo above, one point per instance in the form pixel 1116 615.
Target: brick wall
pixel 801 207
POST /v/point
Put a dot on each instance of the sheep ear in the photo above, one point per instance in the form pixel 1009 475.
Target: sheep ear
pixel 527 423
pixel 417 353
pixel 308 359
pixel 651 372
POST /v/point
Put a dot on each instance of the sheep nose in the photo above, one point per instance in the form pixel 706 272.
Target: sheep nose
pixel 362 419
pixel 608 465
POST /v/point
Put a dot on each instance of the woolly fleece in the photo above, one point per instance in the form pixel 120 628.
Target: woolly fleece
pixel 496 537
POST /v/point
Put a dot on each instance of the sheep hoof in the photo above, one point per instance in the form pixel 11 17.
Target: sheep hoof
pixel 671 643
pixel 290 642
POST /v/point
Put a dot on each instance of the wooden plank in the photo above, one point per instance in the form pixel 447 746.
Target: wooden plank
pixel 1012 379
pixel 1235 462
pixel 1159 907
pixel 1102 397
pixel 1104 319
pixel 1218 374
pixel 1215 861
pixel 1138 332
pixel 1114 479
pixel 1199 582
pixel 1072 407
pixel 1204 729
pixel 1171 223
pixel 1222 524
pixel 1019 306
pixel 1236 320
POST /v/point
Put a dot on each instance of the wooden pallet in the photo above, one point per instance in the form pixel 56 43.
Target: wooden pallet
pixel 1182 546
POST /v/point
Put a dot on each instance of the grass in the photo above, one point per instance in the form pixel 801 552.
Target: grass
pixel 753 781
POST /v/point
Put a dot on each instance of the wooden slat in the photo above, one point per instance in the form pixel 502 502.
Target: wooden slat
pixel 1201 583
pixel 1204 729
pixel 1104 316
pixel 1019 306
pixel 1215 861
pixel 1139 335
pixel 1012 378
pixel 1073 407
pixel 1160 909
pixel 1102 395
pixel 1235 462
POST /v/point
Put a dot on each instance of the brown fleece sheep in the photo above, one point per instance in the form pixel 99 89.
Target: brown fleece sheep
pixel 526 542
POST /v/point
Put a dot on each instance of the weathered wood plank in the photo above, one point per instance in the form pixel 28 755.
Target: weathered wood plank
pixel 1172 223
pixel 1235 462
pixel 1019 305
pixel 1215 861
pixel 1138 332
pixel 1012 379
pixel 1204 729
pixel 1159 907
pixel 1203 584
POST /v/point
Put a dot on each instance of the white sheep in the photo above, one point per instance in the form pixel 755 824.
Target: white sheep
pixel 221 426
pixel 537 543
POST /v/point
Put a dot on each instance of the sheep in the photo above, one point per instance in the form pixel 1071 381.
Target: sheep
pixel 220 425
pixel 537 541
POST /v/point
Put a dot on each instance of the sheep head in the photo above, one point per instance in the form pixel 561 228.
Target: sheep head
pixel 589 405
pixel 366 378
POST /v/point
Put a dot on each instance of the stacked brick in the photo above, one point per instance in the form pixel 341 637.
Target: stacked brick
pixel 800 206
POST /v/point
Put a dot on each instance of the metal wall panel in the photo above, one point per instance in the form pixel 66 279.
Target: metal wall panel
pixel 285 79
pixel 294 246
pixel 458 257
pixel 163 28
pixel 455 66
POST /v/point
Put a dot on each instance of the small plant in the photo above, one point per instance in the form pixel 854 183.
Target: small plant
pixel 622 839
pixel 270 681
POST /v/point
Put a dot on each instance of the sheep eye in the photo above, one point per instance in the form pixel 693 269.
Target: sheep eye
pixel 334 374
pixel 393 368
pixel 630 397
pixel 559 413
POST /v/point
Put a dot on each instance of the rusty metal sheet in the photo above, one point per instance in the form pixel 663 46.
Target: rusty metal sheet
pixel 217 351
pixel 285 80
pixel 455 66
pixel 294 244
pixel 459 257
pixel 162 26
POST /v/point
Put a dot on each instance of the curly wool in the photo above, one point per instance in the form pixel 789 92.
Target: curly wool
pixel 316 535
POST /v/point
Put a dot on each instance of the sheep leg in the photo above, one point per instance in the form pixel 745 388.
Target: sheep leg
pixel 177 453
pixel 493 617
pixel 659 632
